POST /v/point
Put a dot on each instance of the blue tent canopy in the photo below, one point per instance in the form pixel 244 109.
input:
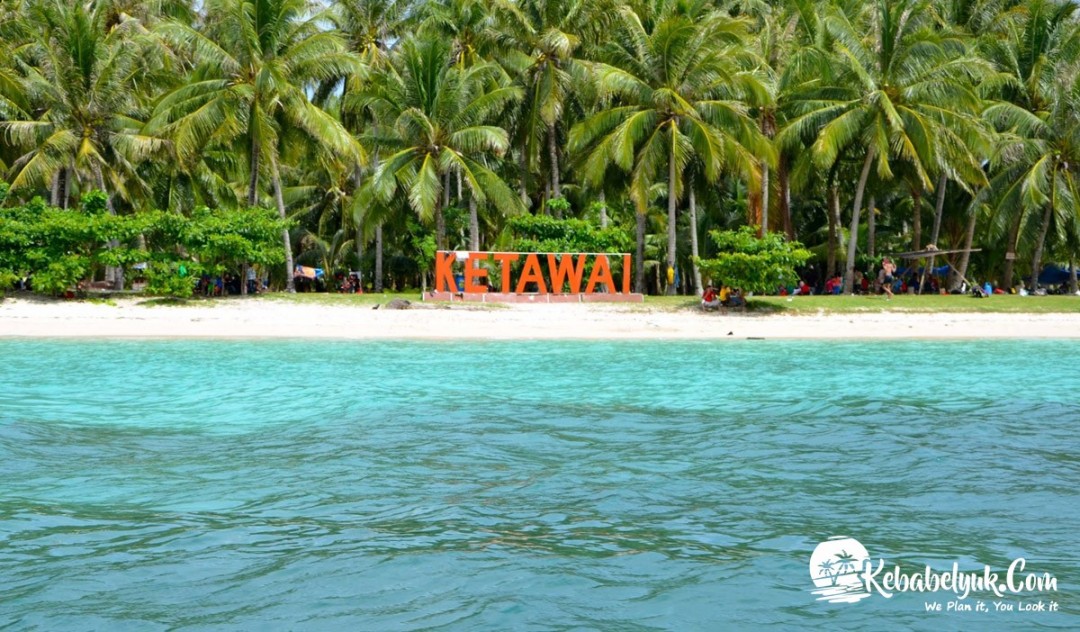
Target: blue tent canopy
pixel 938 271
pixel 1054 275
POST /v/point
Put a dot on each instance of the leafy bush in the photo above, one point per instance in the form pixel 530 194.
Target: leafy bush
pixel 558 206
pixel 60 248
pixel 542 233
pixel 60 274
pixel 172 278
pixel 752 263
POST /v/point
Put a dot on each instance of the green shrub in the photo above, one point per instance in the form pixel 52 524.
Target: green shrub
pixel 752 263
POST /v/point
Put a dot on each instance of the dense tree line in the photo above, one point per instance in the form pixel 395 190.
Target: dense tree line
pixel 381 127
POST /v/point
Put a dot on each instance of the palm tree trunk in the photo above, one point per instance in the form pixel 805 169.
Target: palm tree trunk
pixel 965 257
pixel 553 154
pixel 440 227
pixel 459 191
pixel 672 204
pixel 935 232
pixel 939 207
pixel 446 190
pixel 54 195
pixel 1072 276
pixel 440 219
pixel 1036 259
pixel 1010 252
pixel 523 166
pixel 853 239
pixel 768 128
pixel 378 258
pixel 916 217
pixel 114 274
pixel 285 238
pixel 65 194
pixel 694 238
pixel 834 223
pixel 474 225
pixel 639 253
pixel 764 200
pixel 871 226
pixel 253 181
pixel 785 199
pixel 603 211
pixel 358 181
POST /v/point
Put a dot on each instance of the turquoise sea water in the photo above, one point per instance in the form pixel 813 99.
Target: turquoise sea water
pixel 537 485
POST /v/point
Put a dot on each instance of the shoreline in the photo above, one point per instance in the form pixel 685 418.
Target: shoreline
pixel 262 318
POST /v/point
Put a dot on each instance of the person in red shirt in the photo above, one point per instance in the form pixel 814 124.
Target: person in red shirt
pixel 709 300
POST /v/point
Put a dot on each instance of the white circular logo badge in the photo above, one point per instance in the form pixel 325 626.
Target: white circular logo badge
pixel 835 566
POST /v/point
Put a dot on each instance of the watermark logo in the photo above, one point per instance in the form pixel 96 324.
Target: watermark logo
pixel 843 572
pixel 836 567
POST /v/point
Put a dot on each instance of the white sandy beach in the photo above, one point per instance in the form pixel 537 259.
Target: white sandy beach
pixel 267 318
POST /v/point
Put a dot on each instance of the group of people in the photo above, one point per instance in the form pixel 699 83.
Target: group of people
pixel 714 298
pixel 350 284
pixel 888 281
pixel 228 284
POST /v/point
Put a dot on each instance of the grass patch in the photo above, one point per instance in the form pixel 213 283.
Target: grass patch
pixel 173 301
pixel 327 298
pixel 1000 304
pixel 863 304
pixel 794 305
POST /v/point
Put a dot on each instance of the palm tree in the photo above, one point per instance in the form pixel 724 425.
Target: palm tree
pixel 845 562
pixel 904 85
pixel 437 121
pixel 468 24
pixel 541 38
pixel 801 56
pixel 255 59
pixel 826 570
pixel 1038 155
pixel 677 87
pixel 79 116
pixel 148 12
pixel 1042 159
pixel 14 32
pixel 370 29
pixel 82 109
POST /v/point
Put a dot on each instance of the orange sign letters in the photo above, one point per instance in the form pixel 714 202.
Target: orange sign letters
pixel 564 272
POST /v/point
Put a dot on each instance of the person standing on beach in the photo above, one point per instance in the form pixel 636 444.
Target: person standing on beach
pixel 885 277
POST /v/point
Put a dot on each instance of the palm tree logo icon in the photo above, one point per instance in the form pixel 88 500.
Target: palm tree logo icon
pixel 835 568
pixel 840 564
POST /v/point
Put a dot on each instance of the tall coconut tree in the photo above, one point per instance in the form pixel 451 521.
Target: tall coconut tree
pixel 468 24
pixel 256 61
pixel 80 111
pixel 677 88
pixel 903 85
pixel 370 29
pixel 799 49
pixel 1036 115
pixel 437 121
pixel 14 32
pixel 1040 163
pixel 541 39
